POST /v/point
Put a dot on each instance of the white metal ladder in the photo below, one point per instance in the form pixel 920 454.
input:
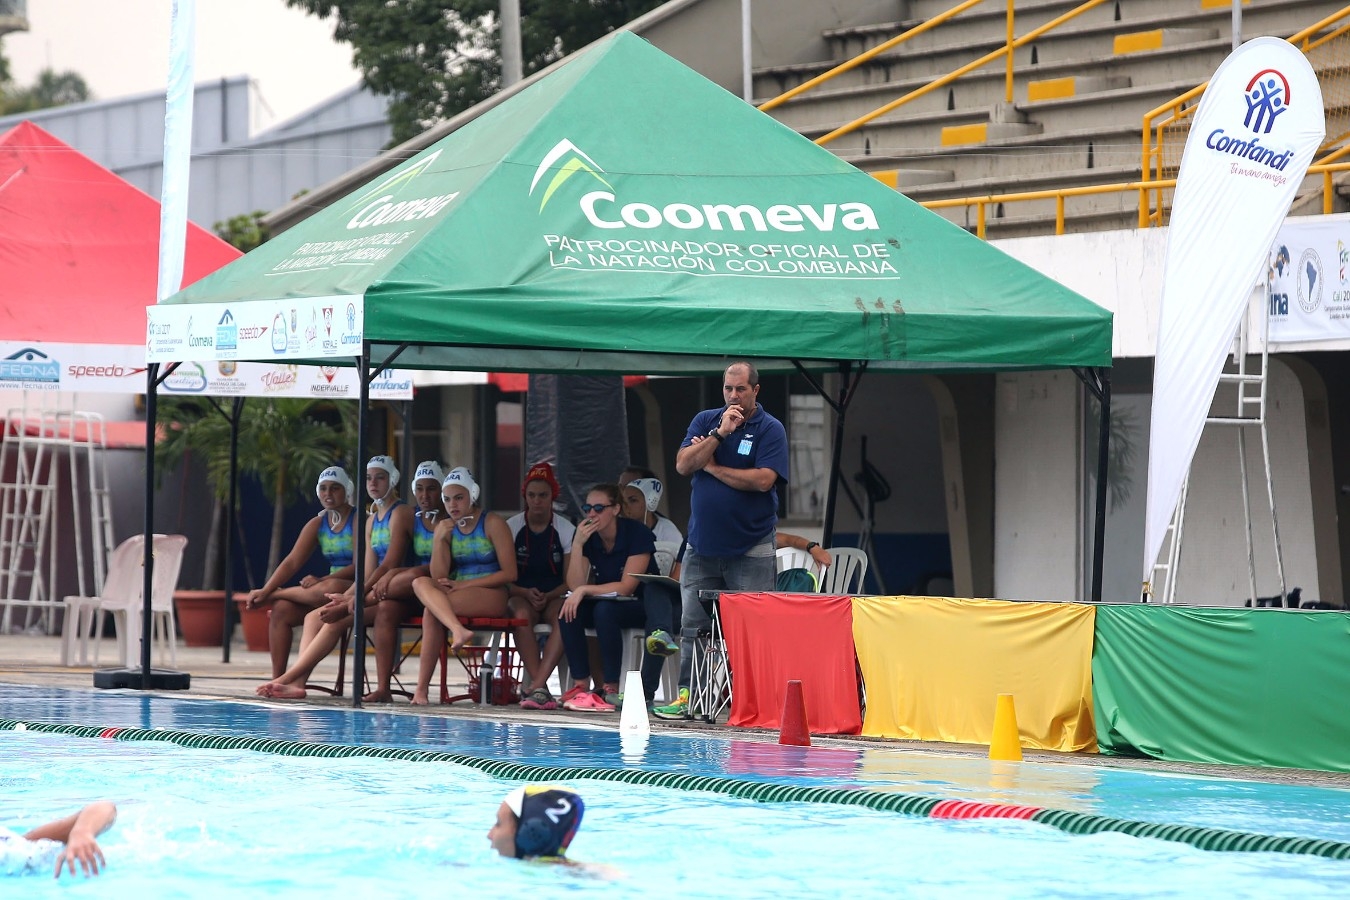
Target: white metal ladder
pixel 1250 411
pixel 31 488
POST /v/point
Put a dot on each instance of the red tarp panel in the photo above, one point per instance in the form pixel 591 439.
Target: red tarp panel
pixel 519 382
pixel 79 247
pixel 776 638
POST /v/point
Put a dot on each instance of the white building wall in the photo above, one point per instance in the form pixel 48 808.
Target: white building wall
pixel 1037 482
pixel 1040 543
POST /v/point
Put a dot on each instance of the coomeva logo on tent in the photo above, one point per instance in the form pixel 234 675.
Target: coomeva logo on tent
pixel 708 237
pixel 603 210
pixel 384 204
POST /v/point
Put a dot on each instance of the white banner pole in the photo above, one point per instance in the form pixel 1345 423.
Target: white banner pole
pixel 177 148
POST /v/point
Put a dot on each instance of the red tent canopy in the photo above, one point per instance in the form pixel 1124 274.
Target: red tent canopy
pixel 79 247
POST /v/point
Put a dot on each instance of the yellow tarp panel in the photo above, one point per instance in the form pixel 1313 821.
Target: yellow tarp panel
pixel 934 667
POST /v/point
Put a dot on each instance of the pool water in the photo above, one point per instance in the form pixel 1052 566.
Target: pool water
pixel 201 823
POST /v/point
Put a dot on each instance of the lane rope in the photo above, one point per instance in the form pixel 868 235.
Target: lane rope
pixel 1215 839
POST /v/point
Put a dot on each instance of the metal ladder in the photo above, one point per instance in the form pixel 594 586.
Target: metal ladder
pixel 30 508
pixel 1250 411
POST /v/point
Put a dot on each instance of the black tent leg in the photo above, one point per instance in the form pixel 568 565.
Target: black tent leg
pixel 359 533
pixel 1103 455
pixel 230 500
pixel 129 676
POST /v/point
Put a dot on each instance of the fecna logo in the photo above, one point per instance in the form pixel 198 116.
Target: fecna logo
pixel 576 161
pixel 1267 97
pixel 31 365
pixel 602 206
pixel 382 204
pixel 227 332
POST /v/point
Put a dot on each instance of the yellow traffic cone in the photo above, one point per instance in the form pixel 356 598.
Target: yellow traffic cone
pixel 1006 742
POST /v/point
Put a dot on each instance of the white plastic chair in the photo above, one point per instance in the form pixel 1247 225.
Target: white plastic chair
pixel 122 584
pixel 126 613
pixel 792 558
pixel 847 564
pixel 666 551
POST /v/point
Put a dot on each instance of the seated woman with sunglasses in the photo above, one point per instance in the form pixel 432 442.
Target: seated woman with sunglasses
pixel 605 550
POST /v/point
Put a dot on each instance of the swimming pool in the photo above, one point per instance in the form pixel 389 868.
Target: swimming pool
pixel 199 821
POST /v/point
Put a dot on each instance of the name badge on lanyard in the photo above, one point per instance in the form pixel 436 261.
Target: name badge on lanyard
pixel 745 447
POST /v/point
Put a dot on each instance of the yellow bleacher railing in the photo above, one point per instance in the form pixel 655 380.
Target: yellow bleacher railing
pixel 1010 45
pixel 1327 169
pixel 1165 127
pixel 874 52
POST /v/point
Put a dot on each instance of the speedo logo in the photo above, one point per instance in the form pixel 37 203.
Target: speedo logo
pixel 381 204
pixel 603 209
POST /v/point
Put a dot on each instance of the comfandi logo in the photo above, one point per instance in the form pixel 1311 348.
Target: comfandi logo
pixel 573 160
pixel 603 209
pixel 1268 98
pixel 384 204
pixel 29 364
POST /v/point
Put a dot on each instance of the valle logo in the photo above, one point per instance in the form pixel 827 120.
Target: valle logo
pixel 30 364
pixel 600 205
pixel 227 332
pixel 386 203
pixel 1267 97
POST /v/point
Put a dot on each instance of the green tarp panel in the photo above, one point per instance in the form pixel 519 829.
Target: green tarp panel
pixel 625 214
pixel 1247 686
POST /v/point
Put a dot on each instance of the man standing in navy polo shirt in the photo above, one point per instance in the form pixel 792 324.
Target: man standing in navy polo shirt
pixel 737 455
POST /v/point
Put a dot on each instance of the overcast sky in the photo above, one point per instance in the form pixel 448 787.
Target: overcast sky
pixel 122 47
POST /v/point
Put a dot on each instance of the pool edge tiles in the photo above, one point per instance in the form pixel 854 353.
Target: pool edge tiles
pixel 1211 839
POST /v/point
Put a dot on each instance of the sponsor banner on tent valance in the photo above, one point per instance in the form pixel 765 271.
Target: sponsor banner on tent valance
pixel 298 328
pixel 1309 274
pixel 226 377
pixel 120 369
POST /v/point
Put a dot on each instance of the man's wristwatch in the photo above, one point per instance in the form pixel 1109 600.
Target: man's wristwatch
pixel 811 545
pixel 715 434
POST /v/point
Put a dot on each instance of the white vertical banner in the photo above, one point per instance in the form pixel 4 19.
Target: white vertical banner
pixel 1257 127
pixel 177 148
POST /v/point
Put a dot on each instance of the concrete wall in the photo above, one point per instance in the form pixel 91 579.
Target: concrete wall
pixel 1038 528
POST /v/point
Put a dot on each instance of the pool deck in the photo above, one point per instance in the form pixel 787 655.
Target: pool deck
pixel 35 660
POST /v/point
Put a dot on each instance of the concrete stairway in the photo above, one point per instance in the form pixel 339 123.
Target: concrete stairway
pixel 1080 92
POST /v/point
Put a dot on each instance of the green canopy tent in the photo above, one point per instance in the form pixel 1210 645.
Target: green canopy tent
pixel 626 215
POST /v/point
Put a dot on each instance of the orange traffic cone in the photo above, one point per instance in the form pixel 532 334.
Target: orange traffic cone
pixel 794 729
pixel 1006 742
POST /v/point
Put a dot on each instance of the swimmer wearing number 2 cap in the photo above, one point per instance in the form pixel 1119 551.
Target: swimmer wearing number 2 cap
pixel 537 821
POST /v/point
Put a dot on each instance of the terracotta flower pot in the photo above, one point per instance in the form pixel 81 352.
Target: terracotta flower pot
pixel 254 622
pixel 201 617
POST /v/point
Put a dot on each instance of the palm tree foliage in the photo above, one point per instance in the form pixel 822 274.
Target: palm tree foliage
pixel 284 442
